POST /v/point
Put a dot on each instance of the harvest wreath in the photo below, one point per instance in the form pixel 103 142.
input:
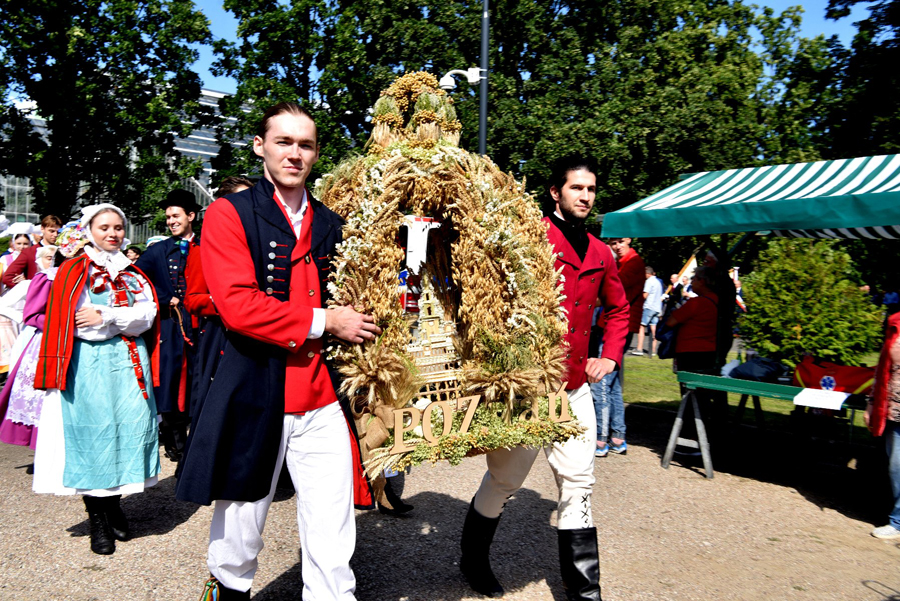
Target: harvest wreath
pixel 489 272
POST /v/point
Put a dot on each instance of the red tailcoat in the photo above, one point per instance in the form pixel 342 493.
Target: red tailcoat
pixel 264 282
pixel 631 272
pixel 249 311
pixel 587 283
pixel 197 299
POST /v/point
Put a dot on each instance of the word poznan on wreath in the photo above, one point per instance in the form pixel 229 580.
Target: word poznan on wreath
pixel 450 256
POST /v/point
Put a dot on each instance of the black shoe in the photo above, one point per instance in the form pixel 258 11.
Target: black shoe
pixel 215 591
pixel 393 511
pixel 397 504
pixel 475 564
pixel 118 523
pixel 173 455
pixel 580 564
pixel 102 541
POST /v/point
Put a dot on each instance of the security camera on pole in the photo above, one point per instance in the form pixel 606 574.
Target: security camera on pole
pixel 473 76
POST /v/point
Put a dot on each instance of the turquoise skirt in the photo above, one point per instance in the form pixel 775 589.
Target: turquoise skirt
pixel 110 429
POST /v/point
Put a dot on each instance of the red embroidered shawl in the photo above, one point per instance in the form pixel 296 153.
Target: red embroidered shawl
pixel 59 332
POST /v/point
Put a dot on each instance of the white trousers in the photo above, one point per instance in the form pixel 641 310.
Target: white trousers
pixel 316 448
pixel 572 463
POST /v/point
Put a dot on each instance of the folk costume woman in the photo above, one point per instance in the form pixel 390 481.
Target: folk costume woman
pixel 21 239
pixel 9 329
pixel 100 438
pixel 20 402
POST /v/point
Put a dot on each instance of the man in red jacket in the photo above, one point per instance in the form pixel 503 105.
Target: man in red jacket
pixel 24 267
pixel 591 276
pixel 272 399
pixel 631 272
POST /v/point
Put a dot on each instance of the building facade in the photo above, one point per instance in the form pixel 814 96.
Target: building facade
pixel 200 144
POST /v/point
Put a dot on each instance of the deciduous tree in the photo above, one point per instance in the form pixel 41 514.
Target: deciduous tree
pixel 113 81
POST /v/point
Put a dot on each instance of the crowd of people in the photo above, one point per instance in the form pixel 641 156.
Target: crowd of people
pixel 213 353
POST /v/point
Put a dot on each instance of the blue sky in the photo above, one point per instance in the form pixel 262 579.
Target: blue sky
pixel 814 23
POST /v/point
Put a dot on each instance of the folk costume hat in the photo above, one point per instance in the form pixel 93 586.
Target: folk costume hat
pixel 20 228
pixel 71 239
pixel 113 261
pixel 180 198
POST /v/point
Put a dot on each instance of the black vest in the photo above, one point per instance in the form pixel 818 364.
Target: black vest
pixel 236 428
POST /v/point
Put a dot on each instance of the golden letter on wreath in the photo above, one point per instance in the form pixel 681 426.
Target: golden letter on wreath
pixel 470 411
pixel 564 415
pixel 426 420
pixel 415 417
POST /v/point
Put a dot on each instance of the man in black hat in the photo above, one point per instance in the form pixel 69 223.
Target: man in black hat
pixel 164 263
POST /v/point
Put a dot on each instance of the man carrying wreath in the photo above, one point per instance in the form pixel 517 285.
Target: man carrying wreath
pixel 591 277
pixel 271 398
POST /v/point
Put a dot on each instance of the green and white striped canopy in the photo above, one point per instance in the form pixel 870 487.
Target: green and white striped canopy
pixel 849 198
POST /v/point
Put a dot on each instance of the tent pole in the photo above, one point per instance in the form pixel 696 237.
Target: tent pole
pixel 738 244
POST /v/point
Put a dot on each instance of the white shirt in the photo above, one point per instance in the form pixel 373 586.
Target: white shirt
pixel 653 288
pixel 317 328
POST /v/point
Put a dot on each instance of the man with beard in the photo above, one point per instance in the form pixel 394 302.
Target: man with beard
pixel 590 274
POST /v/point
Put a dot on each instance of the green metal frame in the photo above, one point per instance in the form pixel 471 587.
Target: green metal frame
pixel 763 389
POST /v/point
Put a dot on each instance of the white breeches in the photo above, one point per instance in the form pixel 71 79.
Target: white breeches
pixel 316 448
pixel 572 463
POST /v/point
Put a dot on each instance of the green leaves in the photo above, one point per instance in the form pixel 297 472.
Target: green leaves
pixel 804 298
pixel 113 82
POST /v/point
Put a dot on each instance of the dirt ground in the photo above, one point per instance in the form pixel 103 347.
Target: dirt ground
pixel 786 517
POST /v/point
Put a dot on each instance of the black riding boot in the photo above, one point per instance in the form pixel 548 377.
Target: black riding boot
pixel 118 524
pixel 580 564
pixel 398 507
pixel 102 542
pixel 216 591
pixel 475 564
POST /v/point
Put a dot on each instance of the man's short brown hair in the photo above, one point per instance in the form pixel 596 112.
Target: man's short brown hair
pixel 282 107
pixel 51 220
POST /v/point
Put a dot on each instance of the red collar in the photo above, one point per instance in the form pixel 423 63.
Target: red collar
pixel 631 254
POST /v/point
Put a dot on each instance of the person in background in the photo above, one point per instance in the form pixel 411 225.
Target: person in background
pixel 676 292
pixel 210 339
pixel 695 344
pixel 688 290
pixel 20 403
pixel 883 418
pixel 165 264
pixel 724 288
pixel 20 240
pixel 631 273
pixel 134 253
pixel 24 266
pixel 653 293
pixel 609 402
pixel 891 301
pixel 9 329
pixel 98 437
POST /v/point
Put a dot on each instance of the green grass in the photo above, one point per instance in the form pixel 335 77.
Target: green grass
pixel 650 382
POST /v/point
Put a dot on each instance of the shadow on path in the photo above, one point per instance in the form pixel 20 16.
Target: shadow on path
pixel 824 468
pixel 416 557
pixel 153 512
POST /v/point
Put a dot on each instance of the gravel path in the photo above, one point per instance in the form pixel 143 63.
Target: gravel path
pixel 782 519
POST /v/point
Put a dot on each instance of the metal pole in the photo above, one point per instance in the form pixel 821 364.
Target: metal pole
pixel 482 112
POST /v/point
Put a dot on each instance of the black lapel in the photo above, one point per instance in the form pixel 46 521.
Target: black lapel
pixel 322 224
pixel 265 205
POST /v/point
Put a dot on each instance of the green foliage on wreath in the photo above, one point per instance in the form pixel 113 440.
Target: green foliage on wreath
pixel 804 298
pixel 488 430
